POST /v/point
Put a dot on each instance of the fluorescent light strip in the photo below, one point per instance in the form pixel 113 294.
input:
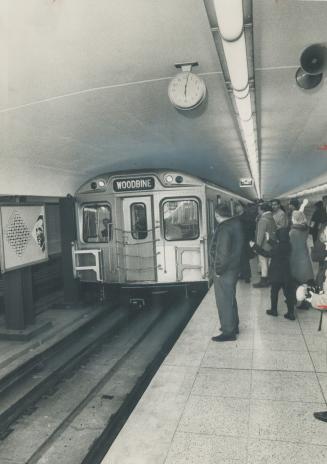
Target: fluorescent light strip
pixel 247 127
pixel 241 93
pixel 319 188
pixel 230 18
pixel 230 23
pixel 235 54
pixel 244 108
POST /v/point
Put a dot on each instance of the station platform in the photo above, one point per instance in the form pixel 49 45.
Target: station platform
pixel 249 401
pixel 62 323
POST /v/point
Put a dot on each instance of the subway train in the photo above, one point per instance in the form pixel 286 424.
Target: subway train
pixel 146 229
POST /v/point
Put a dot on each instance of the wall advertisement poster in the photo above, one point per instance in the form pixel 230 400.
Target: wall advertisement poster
pixel 23 236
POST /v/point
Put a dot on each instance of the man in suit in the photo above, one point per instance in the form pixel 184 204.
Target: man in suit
pixel 225 252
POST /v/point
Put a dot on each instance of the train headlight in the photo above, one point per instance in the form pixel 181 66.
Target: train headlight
pixel 179 179
pixel 169 179
pixel 94 185
pixel 101 183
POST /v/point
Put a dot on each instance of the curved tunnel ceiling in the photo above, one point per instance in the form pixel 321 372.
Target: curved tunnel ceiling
pixel 85 92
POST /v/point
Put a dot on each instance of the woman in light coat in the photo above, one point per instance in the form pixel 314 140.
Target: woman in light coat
pixel 301 267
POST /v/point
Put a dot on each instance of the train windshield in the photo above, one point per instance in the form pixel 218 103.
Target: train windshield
pixel 181 220
pixel 97 223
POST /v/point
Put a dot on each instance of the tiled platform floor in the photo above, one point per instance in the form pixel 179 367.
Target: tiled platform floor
pixel 247 402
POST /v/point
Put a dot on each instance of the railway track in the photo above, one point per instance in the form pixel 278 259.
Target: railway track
pixel 71 408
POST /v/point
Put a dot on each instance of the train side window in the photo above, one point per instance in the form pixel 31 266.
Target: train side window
pixel 139 224
pixel 181 220
pixel 97 223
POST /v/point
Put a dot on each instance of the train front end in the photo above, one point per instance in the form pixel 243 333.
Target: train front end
pixel 141 230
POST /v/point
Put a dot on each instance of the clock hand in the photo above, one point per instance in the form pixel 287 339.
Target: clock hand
pixel 188 75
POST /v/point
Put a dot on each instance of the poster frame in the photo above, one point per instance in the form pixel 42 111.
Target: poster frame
pixel 3 267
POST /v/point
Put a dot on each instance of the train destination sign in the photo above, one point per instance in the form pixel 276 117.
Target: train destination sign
pixel 135 183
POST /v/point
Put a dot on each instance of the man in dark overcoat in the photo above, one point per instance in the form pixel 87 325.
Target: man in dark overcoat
pixel 225 252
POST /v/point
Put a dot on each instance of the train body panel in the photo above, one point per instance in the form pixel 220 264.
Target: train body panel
pixel 145 228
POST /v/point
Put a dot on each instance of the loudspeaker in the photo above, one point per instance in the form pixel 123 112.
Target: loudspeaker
pixel 307 81
pixel 313 59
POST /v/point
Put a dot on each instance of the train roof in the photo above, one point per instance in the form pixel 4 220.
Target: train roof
pixel 159 173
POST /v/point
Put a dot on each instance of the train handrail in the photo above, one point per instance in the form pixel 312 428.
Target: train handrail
pixel 203 255
pixel 181 267
pixel 138 243
pixel 151 268
pixel 142 257
pixel 130 231
pixel 96 267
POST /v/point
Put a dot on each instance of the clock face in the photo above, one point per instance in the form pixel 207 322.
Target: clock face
pixel 187 91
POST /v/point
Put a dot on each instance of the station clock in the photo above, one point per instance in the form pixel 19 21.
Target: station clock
pixel 187 91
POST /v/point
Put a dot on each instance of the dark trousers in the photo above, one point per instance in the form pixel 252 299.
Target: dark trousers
pixel 288 290
pixel 245 271
pixel 225 292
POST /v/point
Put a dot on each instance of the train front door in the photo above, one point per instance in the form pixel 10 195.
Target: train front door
pixel 139 239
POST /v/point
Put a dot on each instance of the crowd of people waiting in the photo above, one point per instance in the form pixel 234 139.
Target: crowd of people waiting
pixel 278 237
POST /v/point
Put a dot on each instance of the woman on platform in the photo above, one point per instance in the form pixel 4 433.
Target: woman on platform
pixel 279 272
pixel 301 267
pixel 318 218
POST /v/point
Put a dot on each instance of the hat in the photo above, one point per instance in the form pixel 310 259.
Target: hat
pixel 298 217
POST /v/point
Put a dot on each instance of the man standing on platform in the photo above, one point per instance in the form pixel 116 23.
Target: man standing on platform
pixel 225 252
pixel 279 215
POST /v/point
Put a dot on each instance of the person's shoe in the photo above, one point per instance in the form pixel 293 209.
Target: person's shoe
pixel 289 316
pixel 236 331
pixel 270 312
pixel 262 283
pixel 224 338
pixel 321 415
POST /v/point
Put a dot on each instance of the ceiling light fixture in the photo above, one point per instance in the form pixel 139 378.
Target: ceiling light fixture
pixel 231 29
pixel 310 191
pixel 244 108
pixel 235 54
pixel 230 18
pixel 242 93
